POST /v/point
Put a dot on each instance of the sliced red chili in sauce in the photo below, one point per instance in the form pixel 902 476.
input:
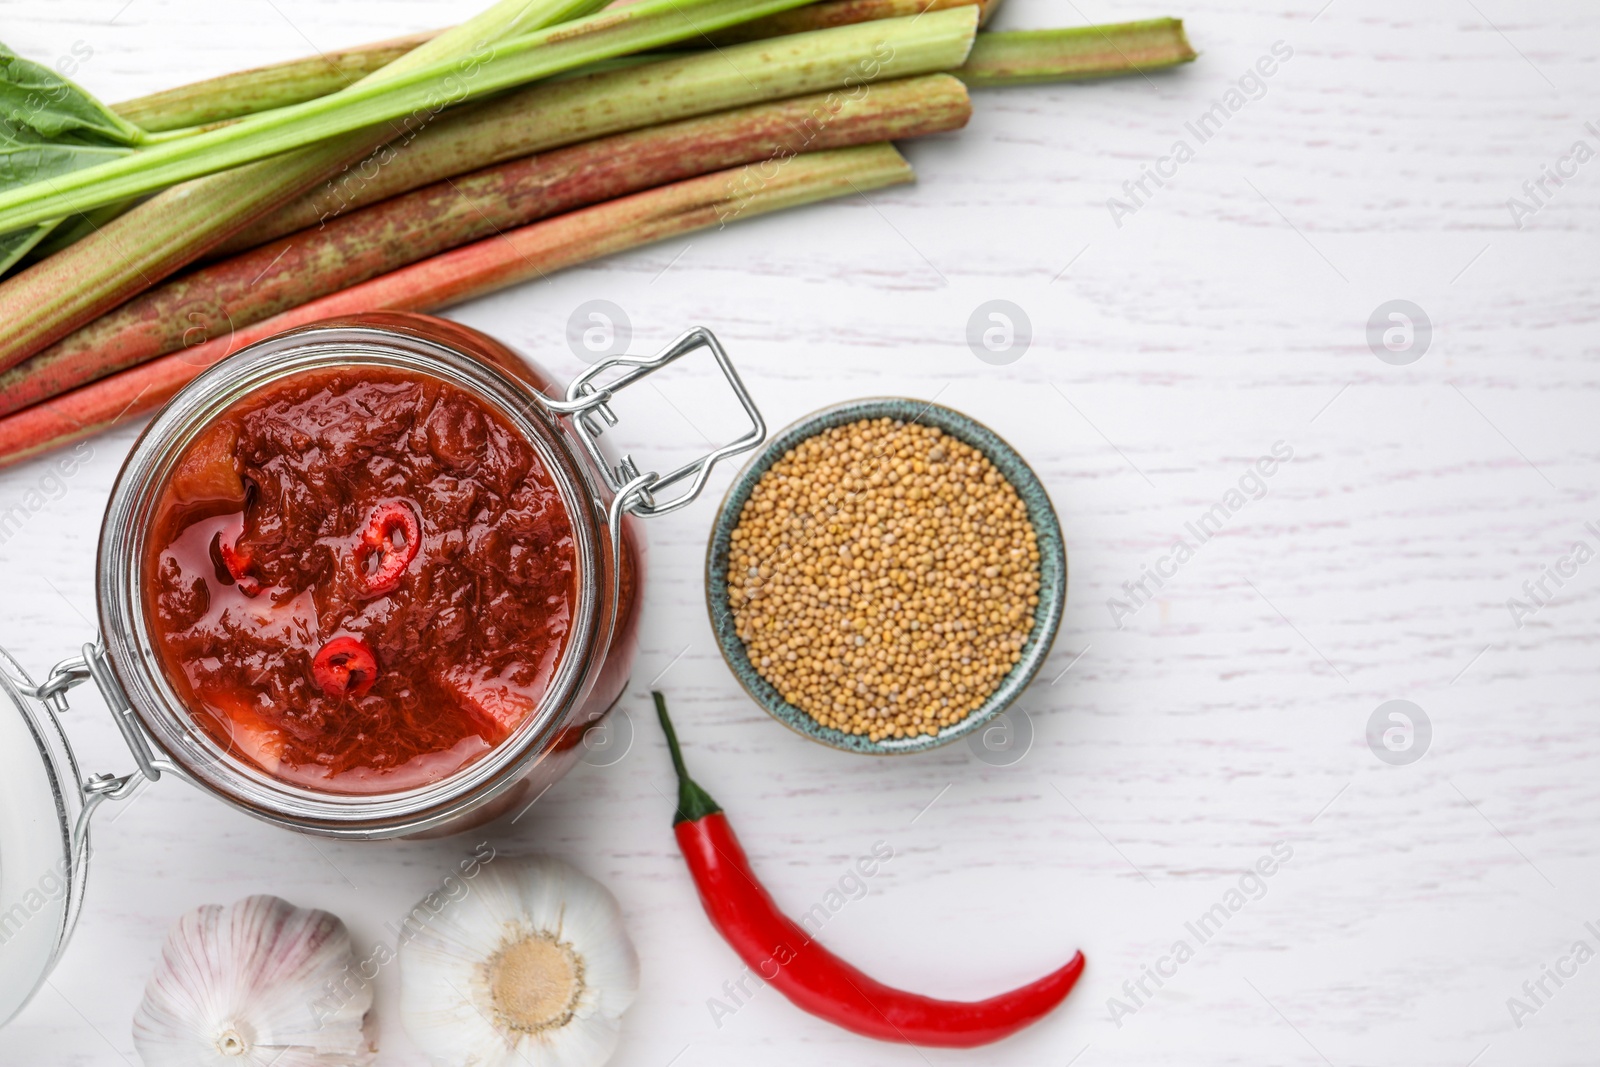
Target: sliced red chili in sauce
pixel 236 563
pixel 360 580
pixel 344 667
pixel 388 545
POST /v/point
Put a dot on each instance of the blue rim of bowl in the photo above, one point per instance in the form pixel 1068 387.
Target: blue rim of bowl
pixel 964 428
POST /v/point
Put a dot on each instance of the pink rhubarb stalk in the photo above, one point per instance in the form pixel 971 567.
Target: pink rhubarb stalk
pixel 473 270
pixel 291 271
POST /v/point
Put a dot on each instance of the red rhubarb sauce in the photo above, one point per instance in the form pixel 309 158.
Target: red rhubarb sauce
pixel 361 579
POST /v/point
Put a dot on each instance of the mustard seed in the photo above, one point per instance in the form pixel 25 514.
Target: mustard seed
pixel 883 578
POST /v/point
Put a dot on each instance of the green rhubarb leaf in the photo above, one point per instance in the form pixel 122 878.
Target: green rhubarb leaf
pixel 49 126
pixel 13 246
pixel 35 98
pixel 26 156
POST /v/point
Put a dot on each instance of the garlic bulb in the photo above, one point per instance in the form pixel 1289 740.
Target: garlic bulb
pixel 530 967
pixel 261 982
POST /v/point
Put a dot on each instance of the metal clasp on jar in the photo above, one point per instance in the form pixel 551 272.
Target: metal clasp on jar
pixel 52 692
pixel 588 404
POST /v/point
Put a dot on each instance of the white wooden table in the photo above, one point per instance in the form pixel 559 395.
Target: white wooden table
pixel 1229 713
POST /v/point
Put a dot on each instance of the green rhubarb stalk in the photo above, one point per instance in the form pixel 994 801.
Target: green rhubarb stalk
pixel 295 81
pixel 833 13
pixel 1029 56
pixel 489 31
pixel 171 230
pixel 246 92
pixel 171 115
pixel 533 251
pixel 287 273
pixel 565 112
pixel 421 90
pixel 232 96
pixel 536 250
pixel 217 99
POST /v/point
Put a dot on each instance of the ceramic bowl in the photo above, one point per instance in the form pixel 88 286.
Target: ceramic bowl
pixel 1052 569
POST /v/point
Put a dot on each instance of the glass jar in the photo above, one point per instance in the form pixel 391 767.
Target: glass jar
pixel 45 805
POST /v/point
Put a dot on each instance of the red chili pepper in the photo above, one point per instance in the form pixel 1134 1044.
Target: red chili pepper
pixel 393 557
pixel 344 667
pixel 237 562
pixel 787 957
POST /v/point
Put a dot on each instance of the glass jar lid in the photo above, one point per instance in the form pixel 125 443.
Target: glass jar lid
pixel 43 842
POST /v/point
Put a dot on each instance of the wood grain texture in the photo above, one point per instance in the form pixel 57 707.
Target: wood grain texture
pixel 1228 313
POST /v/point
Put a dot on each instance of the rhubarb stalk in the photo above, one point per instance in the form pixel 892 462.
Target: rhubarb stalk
pixel 295 81
pixel 832 13
pixel 386 236
pixel 1029 56
pixel 133 252
pixel 231 96
pixel 423 88
pixel 246 92
pixel 593 105
pixel 473 270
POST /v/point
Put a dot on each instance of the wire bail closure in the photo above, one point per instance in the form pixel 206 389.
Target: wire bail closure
pixel 52 693
pixel 588 404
